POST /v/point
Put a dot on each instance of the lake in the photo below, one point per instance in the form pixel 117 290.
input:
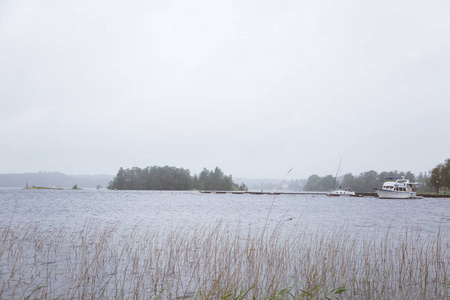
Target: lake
pixel 175 245
pixel 55 208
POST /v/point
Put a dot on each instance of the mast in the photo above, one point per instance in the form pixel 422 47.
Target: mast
pixel 337 171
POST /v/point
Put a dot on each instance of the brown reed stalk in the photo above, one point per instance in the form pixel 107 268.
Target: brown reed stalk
pixel 218 262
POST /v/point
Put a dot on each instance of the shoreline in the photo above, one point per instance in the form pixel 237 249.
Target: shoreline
pixel 47 188
pixel 363 194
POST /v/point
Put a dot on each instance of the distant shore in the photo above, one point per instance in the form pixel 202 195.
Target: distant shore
pixel 46 188
pixel 41 188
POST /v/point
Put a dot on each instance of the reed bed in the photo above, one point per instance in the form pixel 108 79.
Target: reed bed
pixel 220 262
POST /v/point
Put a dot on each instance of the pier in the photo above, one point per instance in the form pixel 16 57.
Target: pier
pixel 281 193
pixel 365 194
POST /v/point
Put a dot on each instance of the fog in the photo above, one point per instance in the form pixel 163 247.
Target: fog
pixel 254 87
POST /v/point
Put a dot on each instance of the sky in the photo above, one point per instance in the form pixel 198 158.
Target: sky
pixel 254 87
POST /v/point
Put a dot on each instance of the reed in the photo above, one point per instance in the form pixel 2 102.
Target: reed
pixel 220 262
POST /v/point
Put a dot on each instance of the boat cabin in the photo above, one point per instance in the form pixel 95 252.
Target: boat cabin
pixel 400 185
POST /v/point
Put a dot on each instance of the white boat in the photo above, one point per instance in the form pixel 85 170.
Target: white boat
pixel 398 188
pixel 343 192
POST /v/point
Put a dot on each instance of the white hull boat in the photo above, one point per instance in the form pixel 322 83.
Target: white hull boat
pixel 343 192
pixel 401 188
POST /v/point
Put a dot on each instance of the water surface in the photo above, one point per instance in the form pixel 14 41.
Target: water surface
pixel 164 209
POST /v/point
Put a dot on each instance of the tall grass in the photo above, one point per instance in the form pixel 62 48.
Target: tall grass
pixel 220 262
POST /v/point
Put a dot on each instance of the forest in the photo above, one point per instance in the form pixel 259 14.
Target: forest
pixel 172 178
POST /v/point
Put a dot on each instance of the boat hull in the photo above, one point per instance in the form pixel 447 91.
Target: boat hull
pixel 389 194
pixel 342 192
pixel 338 193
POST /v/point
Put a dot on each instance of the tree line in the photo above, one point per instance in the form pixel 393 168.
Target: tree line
pixel 438 180
pixel 364 182
pixel 172 178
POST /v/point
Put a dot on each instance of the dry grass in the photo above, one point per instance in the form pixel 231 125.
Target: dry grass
pixel 220 262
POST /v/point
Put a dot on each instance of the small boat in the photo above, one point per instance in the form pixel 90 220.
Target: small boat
pixel 398 188
pixel 343 192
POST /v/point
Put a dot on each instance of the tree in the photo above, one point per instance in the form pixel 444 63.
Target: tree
pixel 446 174
pixel 436 177
pixel 118 183
pixel 410 176
pixel 440 176
pixel 424 183
pixel 217 180
pixel 242 187
pixel 369 181
pixel 317 183
pixel 312 183
pixel 197 184
pixel 327 183
pixel 349 182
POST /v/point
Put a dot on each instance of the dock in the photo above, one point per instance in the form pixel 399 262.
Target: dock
pixel 280 193
pixel 262 193
pixel 364 194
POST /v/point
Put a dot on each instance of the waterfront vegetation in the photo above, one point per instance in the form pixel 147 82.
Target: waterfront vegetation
pixel 221 262
pixel 172 178
pixel 364 182
pixel 440 177
pixel 438 180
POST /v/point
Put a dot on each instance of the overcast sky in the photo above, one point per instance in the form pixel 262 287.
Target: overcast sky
pixel 254 87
